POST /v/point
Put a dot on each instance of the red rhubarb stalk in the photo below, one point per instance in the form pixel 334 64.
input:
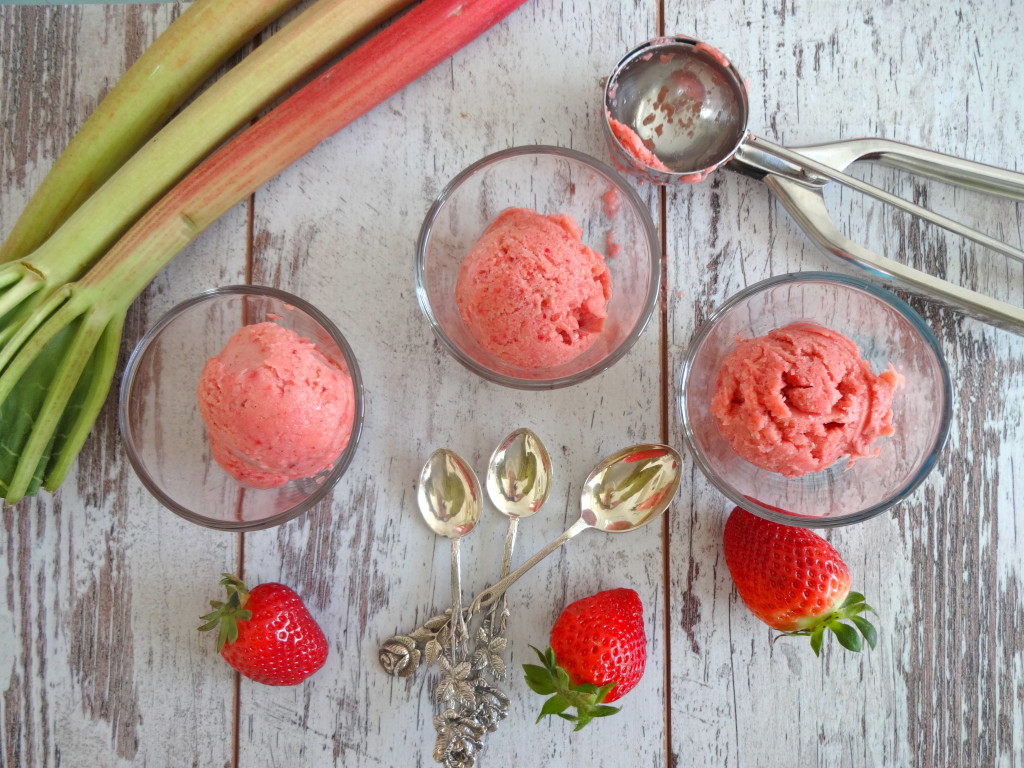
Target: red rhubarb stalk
pixel 427 35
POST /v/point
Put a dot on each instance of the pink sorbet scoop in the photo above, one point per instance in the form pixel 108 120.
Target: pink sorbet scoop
pixel 530 292
pixel 275 407
pixel 799 398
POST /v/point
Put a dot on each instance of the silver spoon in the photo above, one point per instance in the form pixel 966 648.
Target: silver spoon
pixel 449 500
pixel 518 481
pixel 625 491
pixel 684 101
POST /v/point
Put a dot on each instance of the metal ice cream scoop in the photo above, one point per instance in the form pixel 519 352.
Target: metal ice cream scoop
pixel 686 103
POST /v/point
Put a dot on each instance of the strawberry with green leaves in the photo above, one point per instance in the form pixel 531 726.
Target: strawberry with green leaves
pixel 597 655
pixel 795 581
pixel 267 634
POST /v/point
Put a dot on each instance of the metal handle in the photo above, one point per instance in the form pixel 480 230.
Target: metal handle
pixel 980 177
pixel 401 655
pixel 772 159
pixel 807 207
pixel 496 590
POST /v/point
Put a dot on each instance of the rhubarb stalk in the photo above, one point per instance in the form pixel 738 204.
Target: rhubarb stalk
pixel 181 59
pixel 77 323
pixel 286 58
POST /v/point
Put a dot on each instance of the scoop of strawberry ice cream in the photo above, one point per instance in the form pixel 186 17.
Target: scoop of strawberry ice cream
pixel 275 407
pixel 635 146
pixel 531 292
pixel 799 398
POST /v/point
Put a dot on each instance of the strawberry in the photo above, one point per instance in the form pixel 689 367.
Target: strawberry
pixel 794 581
pixel 597 655
pixel 267 634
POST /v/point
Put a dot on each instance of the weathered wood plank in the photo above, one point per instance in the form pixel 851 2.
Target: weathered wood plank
pixel 340 229
pixel 100 662
pixel 943 687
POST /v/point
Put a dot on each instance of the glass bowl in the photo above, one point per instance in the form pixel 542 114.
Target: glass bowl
pixel 887 330
pixel 159 417
pixel 549 180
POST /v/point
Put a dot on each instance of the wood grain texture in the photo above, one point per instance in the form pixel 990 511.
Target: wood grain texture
pixel 102 664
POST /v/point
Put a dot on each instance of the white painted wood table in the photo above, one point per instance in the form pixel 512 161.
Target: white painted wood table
pixel 100 660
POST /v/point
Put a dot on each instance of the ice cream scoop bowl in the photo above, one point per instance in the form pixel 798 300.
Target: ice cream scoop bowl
pixel 685 102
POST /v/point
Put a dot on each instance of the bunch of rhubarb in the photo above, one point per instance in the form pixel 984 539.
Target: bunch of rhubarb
pixel 75 262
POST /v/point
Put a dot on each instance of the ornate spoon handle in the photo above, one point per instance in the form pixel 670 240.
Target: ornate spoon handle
pixel 500 607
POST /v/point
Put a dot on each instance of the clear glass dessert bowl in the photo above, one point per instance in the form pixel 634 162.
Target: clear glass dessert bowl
pixel 551 181
pixel 887 331
pixel 158 410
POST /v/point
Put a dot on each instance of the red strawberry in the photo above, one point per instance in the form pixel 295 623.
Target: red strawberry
pixel 597 655
pixel 795 581
pixel 267 634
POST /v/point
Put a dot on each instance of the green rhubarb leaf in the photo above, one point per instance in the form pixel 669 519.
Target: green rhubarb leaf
pixel 85 404
pixel 19 411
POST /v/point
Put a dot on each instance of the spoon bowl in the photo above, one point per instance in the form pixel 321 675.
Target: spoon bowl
pixel 519 475
pixel 448 495
pixel 630 488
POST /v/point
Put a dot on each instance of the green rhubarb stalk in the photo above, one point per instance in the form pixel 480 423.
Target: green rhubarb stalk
pixel 75 320
pixel 181 59
pixel 284 59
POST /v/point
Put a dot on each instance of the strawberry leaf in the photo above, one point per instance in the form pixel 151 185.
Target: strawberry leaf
pixel 538 680
pixel 817 636
pixel 866 628
pixel 226 615
pixel 852 599
pixel 553 706
pixel 847 635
